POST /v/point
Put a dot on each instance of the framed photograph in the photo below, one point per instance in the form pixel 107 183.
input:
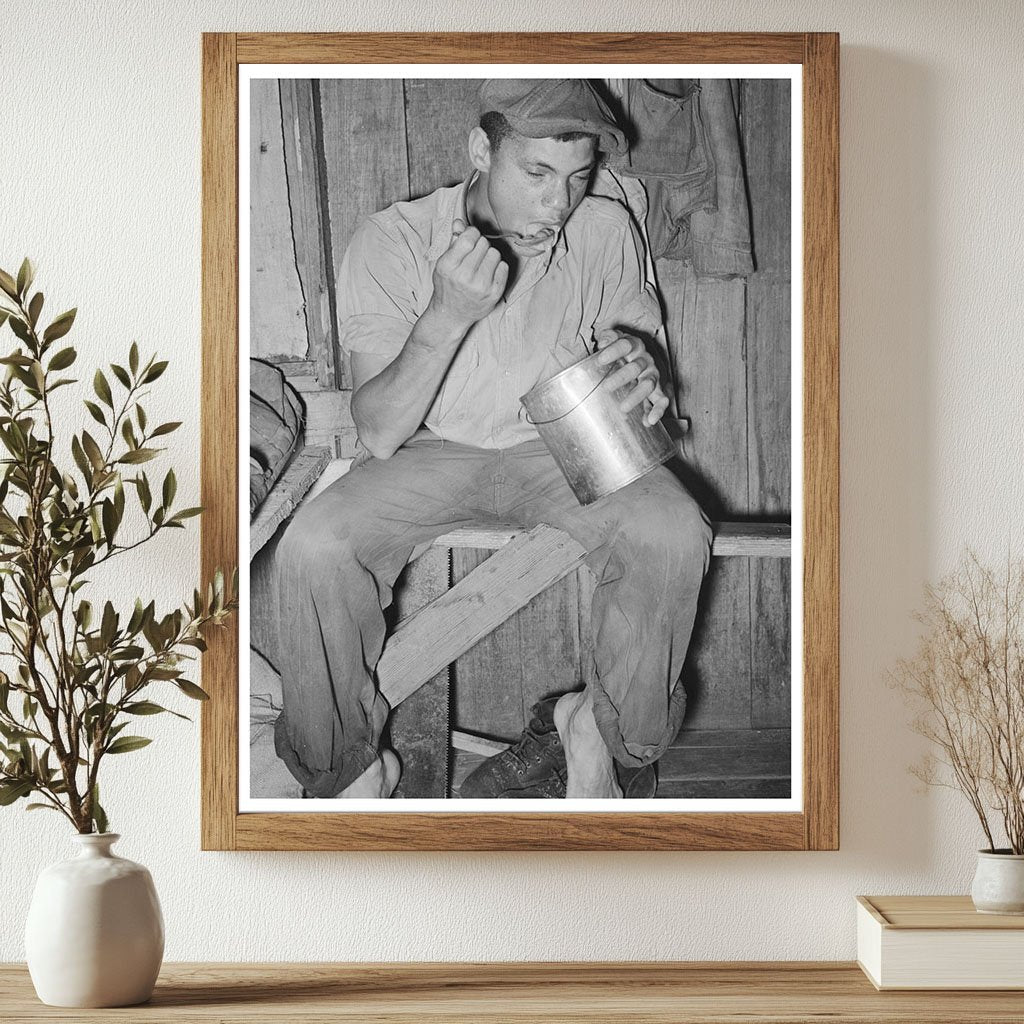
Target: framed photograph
pixel 538 543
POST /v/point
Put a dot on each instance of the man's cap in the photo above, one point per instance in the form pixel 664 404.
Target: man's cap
pixel 541 108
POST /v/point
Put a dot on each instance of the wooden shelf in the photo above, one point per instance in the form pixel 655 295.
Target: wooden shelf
pixel 615 993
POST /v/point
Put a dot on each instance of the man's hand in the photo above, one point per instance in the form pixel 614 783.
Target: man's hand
pixel 469 278
pixel 639 368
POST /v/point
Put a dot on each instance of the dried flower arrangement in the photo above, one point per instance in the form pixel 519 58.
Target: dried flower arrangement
pixel 967 679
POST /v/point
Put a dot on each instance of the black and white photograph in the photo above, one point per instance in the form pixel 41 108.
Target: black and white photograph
pixel 524 439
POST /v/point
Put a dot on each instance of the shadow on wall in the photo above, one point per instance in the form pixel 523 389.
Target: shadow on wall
pixel 888 274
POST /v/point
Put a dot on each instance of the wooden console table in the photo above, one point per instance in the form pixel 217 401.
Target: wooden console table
pixel 616 993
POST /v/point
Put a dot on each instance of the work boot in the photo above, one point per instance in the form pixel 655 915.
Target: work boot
pixel 532 768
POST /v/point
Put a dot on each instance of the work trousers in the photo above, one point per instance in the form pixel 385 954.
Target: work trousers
pixel 648 545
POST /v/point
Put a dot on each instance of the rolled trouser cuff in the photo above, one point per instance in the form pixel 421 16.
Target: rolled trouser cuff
pixel 320 783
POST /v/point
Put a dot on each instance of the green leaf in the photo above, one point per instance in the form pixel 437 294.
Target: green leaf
pixel 11 791
pixel 8 284
pixel 26 274
pixel 135 622
pixel 185 513
pixel 80 458
pixel 20 328
pixel 154 371
pixel 140 415
pixel 121 374
pixel 16 359
pixel 129 653
pixel 144 707
pixel 11 733
pixel 128 433
pixel 165 428
pixel 95 412
pixel 109 521
pixel 92 449
pixel 191 690
pixel 4 314
pixel 133 358
pixel 171 674
pixel 119 499
pixel 63 359
pixel 138 455
pixel 108 627
pixel 42 807
pixel 99 817
pixel 34 308
pixel 102 388
pixel 145 498
pixel 170 487
pixel 126 744
pixel 60 326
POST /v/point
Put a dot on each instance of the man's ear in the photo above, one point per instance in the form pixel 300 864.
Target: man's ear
pixel 480 149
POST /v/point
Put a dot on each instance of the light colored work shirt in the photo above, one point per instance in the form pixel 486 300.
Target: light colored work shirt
pixel 592 278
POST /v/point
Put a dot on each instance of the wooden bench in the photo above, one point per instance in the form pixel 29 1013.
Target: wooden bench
pixel 525 564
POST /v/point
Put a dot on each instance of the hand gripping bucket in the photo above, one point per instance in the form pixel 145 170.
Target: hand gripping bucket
pixel 598 448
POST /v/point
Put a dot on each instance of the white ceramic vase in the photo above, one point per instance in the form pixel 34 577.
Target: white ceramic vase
pixel 999 883
pixel 95 933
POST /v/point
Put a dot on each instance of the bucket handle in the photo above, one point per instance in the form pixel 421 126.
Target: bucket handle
pixel 562 415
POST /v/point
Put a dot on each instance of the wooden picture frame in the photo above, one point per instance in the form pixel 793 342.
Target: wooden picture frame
pixel 816 825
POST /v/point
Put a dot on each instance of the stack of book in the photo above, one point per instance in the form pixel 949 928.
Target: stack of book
pixel 938 942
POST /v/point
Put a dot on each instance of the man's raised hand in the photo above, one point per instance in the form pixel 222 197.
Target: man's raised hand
pixel 639 369
pixel 469 279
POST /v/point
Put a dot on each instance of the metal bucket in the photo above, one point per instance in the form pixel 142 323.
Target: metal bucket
pixel 598 448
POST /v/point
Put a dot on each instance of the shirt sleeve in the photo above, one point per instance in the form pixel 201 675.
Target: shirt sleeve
pixel 376 291
pixel 629 301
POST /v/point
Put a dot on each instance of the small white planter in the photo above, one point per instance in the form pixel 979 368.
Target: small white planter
pixel 95 933
pixel 999 883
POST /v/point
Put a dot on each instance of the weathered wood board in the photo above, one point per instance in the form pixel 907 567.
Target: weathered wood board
pixel 277 325
pixel 766 141
pixel 307 197
pixel 364 133
pixel 705 322
pixel 439 114
pixel 532 655
pixel 474 607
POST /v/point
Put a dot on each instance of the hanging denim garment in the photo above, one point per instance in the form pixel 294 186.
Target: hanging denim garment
pixel 685 147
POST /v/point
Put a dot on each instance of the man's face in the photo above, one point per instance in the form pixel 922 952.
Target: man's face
pixel 531 186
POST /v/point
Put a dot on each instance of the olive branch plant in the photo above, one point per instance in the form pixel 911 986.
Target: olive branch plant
pixel 80 674
pixel 966 680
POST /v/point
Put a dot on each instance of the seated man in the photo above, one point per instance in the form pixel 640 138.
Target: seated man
pixel 453 306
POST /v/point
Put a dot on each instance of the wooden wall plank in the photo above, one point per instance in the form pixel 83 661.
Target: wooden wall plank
pixel 277 325
pixel 307 199
pixel 766 141
pixel 439 115
pixel 705 325
pixel 364 148
pixel 771 664
pixel 717 670
pixel 534 654
pixel 488 678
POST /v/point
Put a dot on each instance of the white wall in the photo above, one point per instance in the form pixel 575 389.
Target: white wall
pixel 100 183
